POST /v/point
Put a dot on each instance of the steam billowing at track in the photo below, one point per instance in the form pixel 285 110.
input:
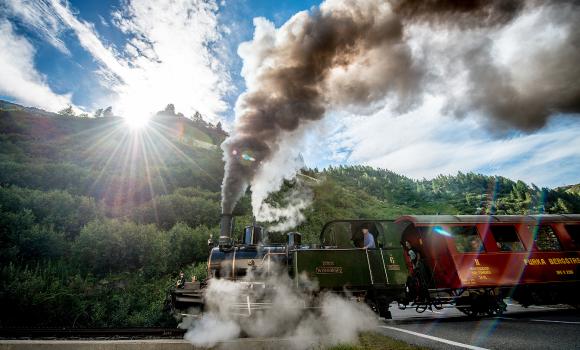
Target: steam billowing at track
pixel 336 320
pixel 512 64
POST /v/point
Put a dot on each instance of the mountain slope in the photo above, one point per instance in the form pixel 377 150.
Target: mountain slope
pixel 96 219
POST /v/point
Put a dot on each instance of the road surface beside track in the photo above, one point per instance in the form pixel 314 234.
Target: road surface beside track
pixel 535 327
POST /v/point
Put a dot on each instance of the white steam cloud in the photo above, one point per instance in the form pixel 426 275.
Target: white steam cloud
pixel 270 178
pixel 335 320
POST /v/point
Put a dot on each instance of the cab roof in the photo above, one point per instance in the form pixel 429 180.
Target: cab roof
pixel 422 220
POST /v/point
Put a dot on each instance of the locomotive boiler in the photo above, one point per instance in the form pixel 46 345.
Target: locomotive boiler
pixel 470 262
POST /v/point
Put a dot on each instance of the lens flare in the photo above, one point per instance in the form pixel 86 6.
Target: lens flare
pixel 441 231
pixel 248 157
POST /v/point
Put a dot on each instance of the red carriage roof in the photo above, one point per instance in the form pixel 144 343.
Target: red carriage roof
pixel 480 219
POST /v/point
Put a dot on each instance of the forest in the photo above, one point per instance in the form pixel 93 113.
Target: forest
pixel 97 219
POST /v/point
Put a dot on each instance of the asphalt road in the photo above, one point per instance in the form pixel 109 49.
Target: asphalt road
pixel 529 328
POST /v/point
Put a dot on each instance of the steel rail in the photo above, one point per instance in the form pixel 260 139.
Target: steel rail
pixel 67 333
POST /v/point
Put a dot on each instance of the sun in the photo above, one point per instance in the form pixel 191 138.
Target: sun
pixel 135 122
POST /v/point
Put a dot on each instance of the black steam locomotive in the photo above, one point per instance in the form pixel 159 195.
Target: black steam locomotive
pixel 375 276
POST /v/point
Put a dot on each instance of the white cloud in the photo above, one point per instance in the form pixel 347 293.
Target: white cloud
pixel 170 57
pixel 19 79
pixel 38 14
pixel 88 38
pixel 166 59
pixel 424 143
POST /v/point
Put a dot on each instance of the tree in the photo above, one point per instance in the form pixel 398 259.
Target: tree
pixel 67 112
pixel 197 117
pixel 98 113
pixel 108 112
pixel 170 109
pixel 219 126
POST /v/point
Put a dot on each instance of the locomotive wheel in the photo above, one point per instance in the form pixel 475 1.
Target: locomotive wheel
pixel 467 311
pixel 497 308
pixel 421 308
pixel 373 306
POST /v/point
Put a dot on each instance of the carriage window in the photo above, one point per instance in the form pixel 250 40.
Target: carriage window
pixel 574 232
pixel 466 239
pixel 546 239
pixel 507 238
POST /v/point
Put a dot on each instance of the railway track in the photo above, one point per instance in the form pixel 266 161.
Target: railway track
pixel 90 333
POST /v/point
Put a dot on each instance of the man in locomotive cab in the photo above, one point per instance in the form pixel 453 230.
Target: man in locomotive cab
pixel 368 238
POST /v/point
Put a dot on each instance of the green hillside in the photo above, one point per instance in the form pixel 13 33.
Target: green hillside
pixel 96 219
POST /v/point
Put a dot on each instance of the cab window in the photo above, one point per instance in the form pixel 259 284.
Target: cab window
pixel 546 239
pixel 392 234
pixel 466 239
pixel 574 232
pixel 506 238
pixel 337 234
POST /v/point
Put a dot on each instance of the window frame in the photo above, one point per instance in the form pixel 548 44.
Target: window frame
pixel 454 243
pixel 535 241
pixel 574 242
pixel 490 231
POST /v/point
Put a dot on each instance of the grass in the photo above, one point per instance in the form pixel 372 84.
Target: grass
pixel 372 341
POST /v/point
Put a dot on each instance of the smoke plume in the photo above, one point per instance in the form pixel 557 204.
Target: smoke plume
pixel 512 63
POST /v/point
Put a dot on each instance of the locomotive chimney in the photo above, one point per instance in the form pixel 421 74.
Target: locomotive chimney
pixel 226 228
pixel 226 225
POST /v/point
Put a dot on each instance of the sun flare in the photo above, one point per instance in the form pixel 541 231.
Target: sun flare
pixel 135 122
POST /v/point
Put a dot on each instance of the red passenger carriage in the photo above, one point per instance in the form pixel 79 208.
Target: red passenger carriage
pixel 475 261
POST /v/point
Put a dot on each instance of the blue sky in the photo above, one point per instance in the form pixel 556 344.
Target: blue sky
pixel 76 71
pixel 140 55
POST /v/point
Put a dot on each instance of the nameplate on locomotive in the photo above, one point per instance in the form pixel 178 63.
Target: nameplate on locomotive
pixel 328 267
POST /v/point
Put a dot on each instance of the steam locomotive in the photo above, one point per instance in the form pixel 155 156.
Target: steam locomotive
pixel 470 262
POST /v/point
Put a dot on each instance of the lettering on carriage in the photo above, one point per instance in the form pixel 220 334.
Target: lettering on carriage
pixel 328 267
pixel 552 261
pixel 564 261
pixel 534 262
pixel 565 272
pixel 477 273
pixel 480 272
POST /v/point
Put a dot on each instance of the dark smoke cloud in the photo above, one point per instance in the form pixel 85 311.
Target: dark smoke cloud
pixel 293 91
pixel 462 13
pixel 548 81
pixel 360 54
